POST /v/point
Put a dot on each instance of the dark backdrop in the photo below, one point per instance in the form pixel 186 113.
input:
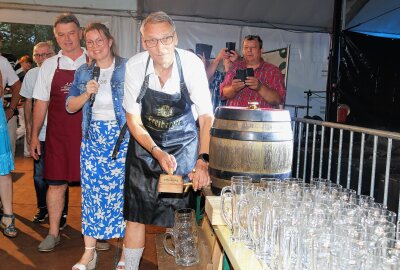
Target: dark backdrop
pixel 370 80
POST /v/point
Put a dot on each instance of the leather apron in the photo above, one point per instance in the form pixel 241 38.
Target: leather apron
pixel 169 120
pixel 64 131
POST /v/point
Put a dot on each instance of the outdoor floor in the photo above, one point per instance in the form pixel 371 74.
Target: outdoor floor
pixel 21 253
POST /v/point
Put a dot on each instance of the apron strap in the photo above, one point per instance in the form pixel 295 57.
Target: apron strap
pixel 145 84
pixel 119 141
pixel 183 86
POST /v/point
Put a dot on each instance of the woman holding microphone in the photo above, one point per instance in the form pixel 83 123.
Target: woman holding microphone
pixel 98 90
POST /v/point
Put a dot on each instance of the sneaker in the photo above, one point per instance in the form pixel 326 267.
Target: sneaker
pixel 63 222
pixel 41 215
pixel 49 243
pixel 102 245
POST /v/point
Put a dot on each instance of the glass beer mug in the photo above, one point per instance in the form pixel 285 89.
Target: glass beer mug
pixel 185 238
pixel 240 187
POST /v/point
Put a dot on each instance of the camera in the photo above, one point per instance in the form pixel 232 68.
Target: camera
pixel 243 73
pixel 230 46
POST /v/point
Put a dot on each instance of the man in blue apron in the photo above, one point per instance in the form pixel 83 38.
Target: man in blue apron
pixel 165 90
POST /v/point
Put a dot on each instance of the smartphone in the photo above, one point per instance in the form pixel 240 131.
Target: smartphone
pixel 249 72
pixel 204 49
pixel 241 74
pixel 230 46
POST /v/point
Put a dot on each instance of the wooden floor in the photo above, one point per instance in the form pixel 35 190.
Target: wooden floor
pixel 21 252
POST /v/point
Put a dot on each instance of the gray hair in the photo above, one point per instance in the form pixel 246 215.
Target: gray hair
pixel 157 17
pixel 47 43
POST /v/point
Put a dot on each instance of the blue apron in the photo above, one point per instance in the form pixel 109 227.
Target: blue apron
pixel 169 120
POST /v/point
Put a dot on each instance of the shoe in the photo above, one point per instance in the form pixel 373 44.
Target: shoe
pixel 41 215
pixel 90 266
pixel 120 266
pixel 9 230
pixel 63 222
pixel 49 243
pixel 102 245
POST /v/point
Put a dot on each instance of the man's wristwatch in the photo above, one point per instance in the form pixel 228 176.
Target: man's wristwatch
pixel 204 157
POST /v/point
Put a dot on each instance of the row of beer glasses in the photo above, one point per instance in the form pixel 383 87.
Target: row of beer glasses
pixel 291 224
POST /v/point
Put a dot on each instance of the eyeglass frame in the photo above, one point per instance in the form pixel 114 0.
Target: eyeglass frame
pixel 37 55
pixel 161 40
pixel 99 42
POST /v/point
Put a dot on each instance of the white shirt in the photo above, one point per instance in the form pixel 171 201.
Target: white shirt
pixel 47 70
pixel 103 107
pixel 27 91
pixel 7 72
pixel 193 72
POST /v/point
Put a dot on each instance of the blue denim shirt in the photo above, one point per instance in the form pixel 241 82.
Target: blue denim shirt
pixel 84 74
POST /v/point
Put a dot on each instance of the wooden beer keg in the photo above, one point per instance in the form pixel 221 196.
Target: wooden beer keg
pixel 251 142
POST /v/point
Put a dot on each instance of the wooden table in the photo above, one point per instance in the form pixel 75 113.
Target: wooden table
pixel 239 256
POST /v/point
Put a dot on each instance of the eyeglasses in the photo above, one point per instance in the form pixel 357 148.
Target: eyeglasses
pixel 90 43
pixel 150 43
pixel 37 55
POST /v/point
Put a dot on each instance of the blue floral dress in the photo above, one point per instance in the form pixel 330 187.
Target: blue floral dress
pixel 102 181
pixel 6 158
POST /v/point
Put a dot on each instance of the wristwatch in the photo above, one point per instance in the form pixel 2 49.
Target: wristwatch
pixel 204 157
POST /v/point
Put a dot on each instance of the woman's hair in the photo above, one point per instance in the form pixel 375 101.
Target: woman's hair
pixel 103 29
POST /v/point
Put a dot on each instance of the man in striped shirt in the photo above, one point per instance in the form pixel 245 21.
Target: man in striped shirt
pixel 266 86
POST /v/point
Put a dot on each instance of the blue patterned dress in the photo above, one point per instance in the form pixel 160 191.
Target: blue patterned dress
pixel 6 158
pixel 102 181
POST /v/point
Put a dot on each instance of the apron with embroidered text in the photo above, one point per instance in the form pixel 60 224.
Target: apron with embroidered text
pixel 169 120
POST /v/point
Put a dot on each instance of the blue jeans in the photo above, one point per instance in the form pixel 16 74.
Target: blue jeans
pixel 41 185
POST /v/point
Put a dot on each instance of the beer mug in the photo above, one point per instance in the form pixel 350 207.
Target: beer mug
pixel 185 238
pixel 238 190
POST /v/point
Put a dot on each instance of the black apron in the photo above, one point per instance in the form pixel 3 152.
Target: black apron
pixel 170 123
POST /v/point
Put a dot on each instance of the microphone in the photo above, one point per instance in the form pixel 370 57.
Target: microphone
pixel 95 76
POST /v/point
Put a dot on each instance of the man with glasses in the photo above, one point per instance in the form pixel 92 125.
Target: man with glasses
pixel 63 133
pixel 41 52
pixel 266 86
pixel 165 88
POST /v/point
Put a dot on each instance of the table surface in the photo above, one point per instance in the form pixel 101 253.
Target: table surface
pixel 239 256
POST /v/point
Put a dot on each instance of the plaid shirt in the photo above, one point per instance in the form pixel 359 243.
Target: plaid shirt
pixel 268 74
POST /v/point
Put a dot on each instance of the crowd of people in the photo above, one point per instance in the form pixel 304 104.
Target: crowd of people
pixel 165 96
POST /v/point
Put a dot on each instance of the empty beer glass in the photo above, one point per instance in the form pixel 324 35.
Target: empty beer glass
pixel 185 238
pixel 238 190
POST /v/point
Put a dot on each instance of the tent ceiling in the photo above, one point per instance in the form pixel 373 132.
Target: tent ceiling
pixel 380 16
pixel 302 15
pixel 123 5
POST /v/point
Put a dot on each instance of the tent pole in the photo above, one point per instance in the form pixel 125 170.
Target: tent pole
pixel 333 66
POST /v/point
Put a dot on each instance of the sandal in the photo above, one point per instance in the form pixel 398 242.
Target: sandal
pixel 120 266
pixel 9 230
pixel 91 264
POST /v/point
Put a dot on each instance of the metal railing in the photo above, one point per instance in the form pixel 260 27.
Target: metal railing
pixel 344 147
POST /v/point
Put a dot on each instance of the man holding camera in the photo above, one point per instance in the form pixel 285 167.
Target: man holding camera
pixel 253 79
